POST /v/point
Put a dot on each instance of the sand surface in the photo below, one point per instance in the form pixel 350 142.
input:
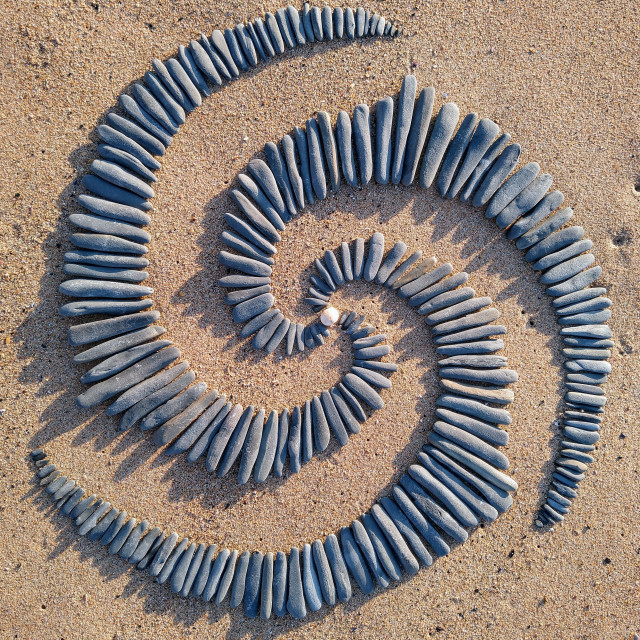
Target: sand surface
pixel 561 77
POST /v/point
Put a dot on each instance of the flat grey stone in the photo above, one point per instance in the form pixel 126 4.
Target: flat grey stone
pixel 589 331
pixel 361 22
pixel 242 295
pixel 235 49
pixel 72 501
pixel 577 282
pixel 163 96
pixel 168 81
pixel 310 581
pixel 305 168
pixel 363 390
pixel 85 288
pixel 172 407
pixel 257 323
pixel 355 562
pixel 333 418
pixel 477 333
pixel 480 467
pixel 252 585
pixel 200 53
pixel 525 201
pixel 81 506
pixel 395 539
pixel 169 118
pixel 114 528
pixel 200 433
pixel 227 577
pixel 280 591
pixel 383 155
pixel 441 134
pixel 107 243
pixel 419 284
pixel 126 379
pixel 222 49
pixel 490 376
pixel 267 448
pixel 235 442
pixel 316 23
pixel 103 307
pixel 403 269
pixel 483 165
pixel 500 169
pixel 333 267
pixel 474 426
pixel 105 260
pixel 267 217
pixel 346 149
pixel 446 300
pixel 253 307
pixel 251 447
pixel 308 27
pixel 353 402
pixel 297 185
pixel 595 303
pixel 125 160
pixel 567 269
pixel 338 22
pixel 264 335
pixel 246 265
pixel 512 188
pixel 297 27
pixel 467 322
pixel 549 203
pixel 406 101
pixel 274 32
pixel 122 536
pixel 330 148
pixel 145 544
pixel 592 317
pixel 455 151
pixel 278 167
pixel 237 242
pixel 263 37
pixel 267 182
pixel 265 595
pixel 132 541
pixel 105 273
pixel 457 310
pixel 239 579
pixel 406 529
pixel 362 138
pixel 374 256
pixel 496 395
pixel 295 598
pixel 135 111
pixel 116 138
pixel 545 229
pixel 346 414
pixel 557 257
pixel 480 347
pixel 338 568
pixel 216 573
pixel 122 360
pixel 137 134
pixel 327 23
pixel 367 551
pixel 372 377
pixel 114 210
pixel 316 161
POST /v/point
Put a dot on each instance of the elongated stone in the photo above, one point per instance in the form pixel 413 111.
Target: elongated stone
pixel 457 310
pixel 253 307
pixel 262 337
pixel 235 49
pixel 333 418
pixel 173 407
pixel 464 348
pixel 81 288
pixel 559 257
pixel 593 302
pixel 279 588
pixel 169 118
pixel 355 561
pixel 417 134
pixel 203 60
pixel 235 442
pixel 222 48
pixel 577 282
pixel 106 307
pixel 345 148
pixel 81 506
pixel 239 579
pixel 455 151
pixel 266 585
pixel 466 322
pixel 310 581
pixel 105 273
pixel 490 376
pixel 227 577
pixel 483 166
pixel 274 32
pixel 115 137
pixel 346 414
pixel 333 267
pixel 449 299
pixel 105 260
pixel 474 426
pixel 497 395
pixel 363 145
pixel 512 188
pixel 374 256
pixel 251 447
pixel 125 160
pixel 249 232
pixel 330 148
pixel 163 96
pixel 368 353
pixel 266 180
pixel 384 124
pixel 235 241
pixel 113 210
pixel 316 23
pixel 297 27
pixel 401 272
pixel 297 185
pixel 252 585
pixel 395 539
pixel 264 37
pixel 242 295
pixel 474 409
pixel 201 431
pixel 302 146
pixel 107 243
pixel 501 168
pixel 279 169
pixel 545 229
pixel 246 265
pixel 275 215
pixel 443 129
pixel 536 215
pixel 150 143
pixel 525 201
pixel 595 331
pixel 390 262
pixel 215 574
pixel 170 84
pixel 368 552
pixel 406 529
pixel 338 568
pixel 567 269
pixel 413 287
pixel 133 539
pixel 281 448
pixel 316 161
pixel 151 125
pixel 593 317
pixel 295 599
pixel 406 101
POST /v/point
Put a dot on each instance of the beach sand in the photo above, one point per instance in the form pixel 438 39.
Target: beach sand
pixel 562 78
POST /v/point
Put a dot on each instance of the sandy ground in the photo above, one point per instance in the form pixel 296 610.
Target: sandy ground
pixel 562 78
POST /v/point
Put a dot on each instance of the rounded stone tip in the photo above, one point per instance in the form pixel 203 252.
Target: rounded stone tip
pixel 329 316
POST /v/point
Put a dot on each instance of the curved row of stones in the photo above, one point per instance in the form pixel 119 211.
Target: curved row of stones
pixel 433 502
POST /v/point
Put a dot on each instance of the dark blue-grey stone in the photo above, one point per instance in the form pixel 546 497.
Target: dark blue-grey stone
pixel 132 541
pixel 134 110
pixel 395 539
pixel 145 544
pixel 455 151
pixel 542 231
pixel 137 134
pixel 338 568
pixel 480 347
pixel 403 269
pixel 264 335
pixel 420 284
pixel 557 257
pixel 164 97
pixel 222 49
pixel 278 167
pixel 200 53
pixel 512 188
pixel 81 288
pixel 406 529
pixel 449 298
pixel 490 376
pixel 441 133
pixel 105 273
pixel 104 307
pixel 474 426
pixel 406 101
pixel 366 549
pixel 122 536
pixel 305 170
pixel 362 138
pixel 316 162
pixel 306 23
pixel 236 50
pixel 257 323
pixel 169 118
pixel 323 576
pixel 327 23
pixel 467 322
pixel 225 580
pixel 126 161
pixel 235 442
pixel 353 402
pixel 577 282
pixel 297 27
pixel 477 333
pixel 108 191
pixel 390 262
pixel 280 591
pixel 114 210
pixel 363 390
pixel 525 201
pixel 590 302
pixel 235 241
pixel 263 37
pixel 72 501
pixel 105 260
pixel 316 23
pixel 346 414
pixel 330 148
pixel 374 256
pixel 253 307
pixel 474 463
pixel 170 84
pixel 300 445
pixel 297 184
pixel 587 331
pixel 333 418
pixel 567 269
pixel 346 149
pixel 122 360
pixel 459 309
pixel 383 155
pixel 246 265
pixel 265 595
pixel 417 134
pixel 368 353
pixel 310 581
pixel 338 22
pixel 549 203
pixel 263 175
pixel 252 585
pixel 585 399
pixel 371 377
pixel 361 23
pixel 242 295
pixel 172 407
pixel 215 574
pixel 281 448
pixel 321 431
pixel 592 317
pixel 224 433
pixel 251 447
pixel 239 579
pixel 354 560
pixel 493 180
pixel 275 215
pixel 116 138
pixel 274 32
pixel 483 166
pixel 267 448
pixel 107 243
pixel 204 570
pixel 295 598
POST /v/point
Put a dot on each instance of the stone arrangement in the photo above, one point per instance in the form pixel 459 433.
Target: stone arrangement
pixel 459 477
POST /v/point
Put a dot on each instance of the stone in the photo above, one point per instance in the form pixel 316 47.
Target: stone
pixel 316 162
pixel 511 188
pixel 466 322
pixel 361 22
pixel 139 371
pixel 242 295
pixel 330 148
pixel 495 176
pixel 316 23
pixel 227 577
pixel 295 600
pixel 484 164
pixel 408 286
pixel 358 259
pixel 200 54
pixel 480 347
pixel 132 541
pixel 305 167
pixel 275 215
pixel 441 134
pixel 233 38
pixel 354 561
pixel 172 407
pixel 253 307
pixel 253 584
pixel 86 288
pixel 163 97
pixel 384 124
pixel 476 333
pixel 137 134
pixel 105 260
pixel 369 353
pixel 367 551
pixel 457 310
pixel 480 467
pixel 135 111
pixel 246 265
pixel 338 568
pixel 114 210
pixel 122 360
pixel 406 529
pixel 107 243
pixel 545 229
pixel 362 138
pixel 251 447
pixel 576 283
pixel 353 402
pixel 310 581
pixel 105 273
pixel 103 307
pixel 297 27
pixel 116 138
pixel 347 416
pixel 280 172
pixel 264 335
pixel 490 376
pixel 168 117
pixel 496 395
pixel 125 160
pixel 567 269
pixel 395 539
pixel 406 101
pixel 295 179
pixel 549 203
pixel 221 47
pixel 333 418
pixel 558 257
pixel 474 426
pixel 350 23
pixel 239 579
pixel 525 201
pixel 405 269
pixel 216 573
pixel 455 152
pixel 345 147
pixel 374 256
pixel 590 305
pixel 235 241
pixel 265 596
